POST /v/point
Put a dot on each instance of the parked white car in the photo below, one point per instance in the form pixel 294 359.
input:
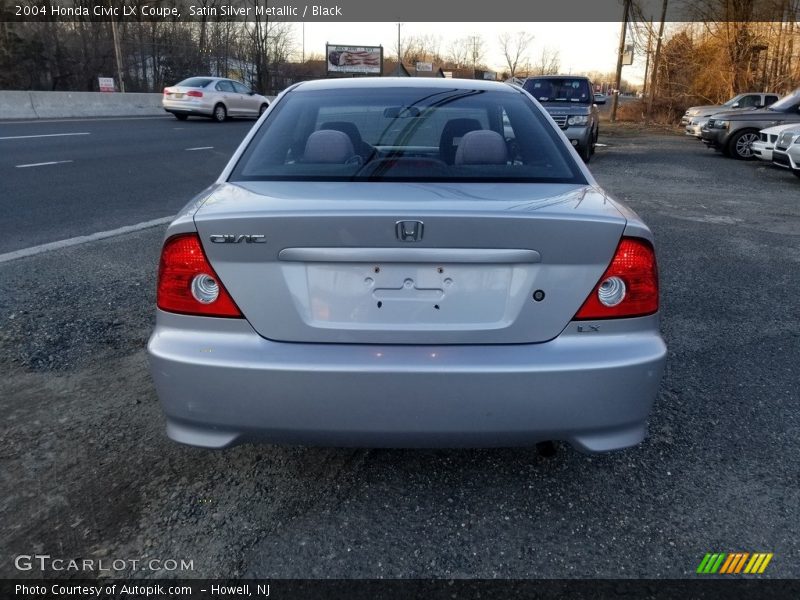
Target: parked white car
pixel 214 97
pixel 763 147
pixel 787 150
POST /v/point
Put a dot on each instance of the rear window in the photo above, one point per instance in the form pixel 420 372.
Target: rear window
pixel 407 134
pixel 195 82
pixel 559 89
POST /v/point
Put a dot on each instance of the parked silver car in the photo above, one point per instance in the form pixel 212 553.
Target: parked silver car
pixel 214 97
pixel 378 266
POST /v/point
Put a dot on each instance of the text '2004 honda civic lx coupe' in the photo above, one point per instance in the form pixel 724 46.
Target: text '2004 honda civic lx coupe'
pixel 407 264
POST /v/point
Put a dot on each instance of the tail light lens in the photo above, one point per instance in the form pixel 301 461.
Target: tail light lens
pixel 628 288
pixel 187 284
pixel 166 91
pixel 194 94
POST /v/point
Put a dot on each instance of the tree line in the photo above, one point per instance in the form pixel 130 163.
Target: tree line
pixel 732 46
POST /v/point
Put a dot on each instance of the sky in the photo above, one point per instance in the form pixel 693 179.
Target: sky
pixel 581 46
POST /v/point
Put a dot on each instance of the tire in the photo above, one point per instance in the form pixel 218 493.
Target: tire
pixel 220 113
pixel 262 109
pixel 740 144
pixel 586 151
pixel 181 117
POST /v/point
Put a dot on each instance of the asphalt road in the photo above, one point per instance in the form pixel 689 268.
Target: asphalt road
pixel 85 470
pixel 64 179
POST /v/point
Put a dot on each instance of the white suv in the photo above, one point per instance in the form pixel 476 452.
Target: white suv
pixel 787 150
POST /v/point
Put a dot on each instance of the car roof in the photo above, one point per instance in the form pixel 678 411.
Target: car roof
pixel 558 77
pixel 403 82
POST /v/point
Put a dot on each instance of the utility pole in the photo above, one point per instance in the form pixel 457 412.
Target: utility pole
pixel 399 60
pixel 117 55
pixel 618 76
pixel 647 63
pixel 654 75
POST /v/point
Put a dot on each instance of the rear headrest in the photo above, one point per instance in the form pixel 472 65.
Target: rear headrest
pixel 328 146
pixel 482 147
pixel 345 127
pixel 452 133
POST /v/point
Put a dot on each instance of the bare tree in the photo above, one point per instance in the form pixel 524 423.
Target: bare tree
pixel 467 51
pixel 515 48
pixel 422 48
pixel 547 63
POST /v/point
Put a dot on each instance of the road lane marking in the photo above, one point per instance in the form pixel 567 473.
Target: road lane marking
pixel 27 137
pixel 52 162
pixel 83 239
pixel 200 148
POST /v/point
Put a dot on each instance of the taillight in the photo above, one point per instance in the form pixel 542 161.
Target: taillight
pixel 628 288
pixel 166 91
pixel 187 284
pixel 194 94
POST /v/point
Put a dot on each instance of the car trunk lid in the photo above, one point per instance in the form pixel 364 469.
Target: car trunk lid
pixel 409 263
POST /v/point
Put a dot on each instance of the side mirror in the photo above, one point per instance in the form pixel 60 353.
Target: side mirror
pixel 735 105
pixel 251 93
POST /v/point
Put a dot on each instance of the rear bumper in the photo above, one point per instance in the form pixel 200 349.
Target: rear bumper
pixel 220 384
pixel 188 107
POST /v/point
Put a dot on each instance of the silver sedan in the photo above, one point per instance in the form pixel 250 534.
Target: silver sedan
pixel 213 97
pixel 407 264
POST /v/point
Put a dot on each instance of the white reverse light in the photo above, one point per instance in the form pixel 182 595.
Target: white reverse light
pixel 205 288
pixel 611 292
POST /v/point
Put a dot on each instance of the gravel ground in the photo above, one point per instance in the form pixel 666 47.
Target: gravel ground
pixel 86 472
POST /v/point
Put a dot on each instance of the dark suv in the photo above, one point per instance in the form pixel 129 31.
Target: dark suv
pixel 733 132
pixel 570 101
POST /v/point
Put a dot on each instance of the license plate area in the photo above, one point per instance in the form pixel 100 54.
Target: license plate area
pixel 407 296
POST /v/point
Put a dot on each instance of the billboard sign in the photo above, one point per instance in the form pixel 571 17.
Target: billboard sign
pixel 106 84
pixel 366 60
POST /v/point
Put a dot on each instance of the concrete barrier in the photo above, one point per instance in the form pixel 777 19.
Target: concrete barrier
pixel 66 105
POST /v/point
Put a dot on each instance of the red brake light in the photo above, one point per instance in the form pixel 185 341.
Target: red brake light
pixel 628 288
pixel 166 91
pixel 194 94
pixel 187 284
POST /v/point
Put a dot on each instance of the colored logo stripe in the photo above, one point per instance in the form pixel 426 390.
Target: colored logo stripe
pixel 723 563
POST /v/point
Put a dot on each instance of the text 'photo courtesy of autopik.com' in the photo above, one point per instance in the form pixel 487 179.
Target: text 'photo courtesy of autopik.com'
pixel 365 300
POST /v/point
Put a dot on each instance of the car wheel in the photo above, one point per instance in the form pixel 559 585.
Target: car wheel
pixel 741 144
pixel 262 109
pixel 181 117
pixel 220 113
pixel 586 152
